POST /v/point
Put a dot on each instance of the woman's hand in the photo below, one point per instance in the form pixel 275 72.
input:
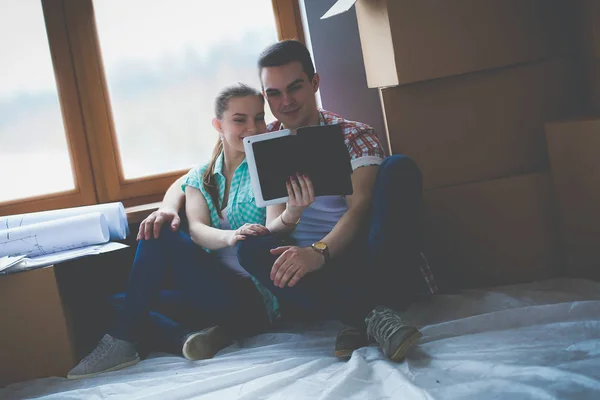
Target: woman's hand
pixel 301 195
pixel 244 231
pixel 153 223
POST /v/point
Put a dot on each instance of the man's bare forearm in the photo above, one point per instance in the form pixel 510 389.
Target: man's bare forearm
pixel 359 204
pixel 346 230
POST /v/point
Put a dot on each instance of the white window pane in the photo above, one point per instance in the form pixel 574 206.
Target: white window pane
pixel 164 62
pixel 33 147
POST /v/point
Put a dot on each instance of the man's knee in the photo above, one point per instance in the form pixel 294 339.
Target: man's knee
pixel 253 247
pixel 400 163
pixel 244 249
pixel 399 166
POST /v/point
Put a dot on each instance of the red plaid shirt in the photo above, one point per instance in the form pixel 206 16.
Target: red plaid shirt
pixel 365 149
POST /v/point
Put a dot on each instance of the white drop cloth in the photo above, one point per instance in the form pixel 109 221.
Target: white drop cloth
pixel 533 341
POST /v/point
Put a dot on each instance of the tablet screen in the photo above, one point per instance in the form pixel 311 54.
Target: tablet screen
pixel 274 164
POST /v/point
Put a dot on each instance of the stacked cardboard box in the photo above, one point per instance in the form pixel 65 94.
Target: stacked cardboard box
pixel 574 146
pixel 494 232
pixel 407 41
pixel 482 125
pixel 589 39
pixel 35 339
pixel 466 87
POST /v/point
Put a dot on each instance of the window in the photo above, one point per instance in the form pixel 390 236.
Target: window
pixel 164 62
pixel 108 100
pixel 43 150
pixel 32 134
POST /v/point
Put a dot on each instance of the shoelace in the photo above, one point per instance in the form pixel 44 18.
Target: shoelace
pixel 382 324
pixel 100 351
pixel 349 330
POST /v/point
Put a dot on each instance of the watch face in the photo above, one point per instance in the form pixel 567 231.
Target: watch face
pixel 320 246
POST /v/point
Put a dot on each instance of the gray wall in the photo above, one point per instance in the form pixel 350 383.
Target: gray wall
pixel 338 60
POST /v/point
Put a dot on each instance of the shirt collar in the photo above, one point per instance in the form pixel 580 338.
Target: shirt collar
pixel 220 162
pixel 322 121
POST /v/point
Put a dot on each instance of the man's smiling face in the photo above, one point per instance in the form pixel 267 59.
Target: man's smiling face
pixel 291 94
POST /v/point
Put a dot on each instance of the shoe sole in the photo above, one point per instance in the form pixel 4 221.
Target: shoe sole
pixel 115 368
pixel 343 353
pixel 347 353
pixel 204 345
pixel 401 351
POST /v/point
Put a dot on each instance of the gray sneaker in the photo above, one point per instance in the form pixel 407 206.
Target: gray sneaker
pixel 110 354
pixel 205 343
pixel 386 327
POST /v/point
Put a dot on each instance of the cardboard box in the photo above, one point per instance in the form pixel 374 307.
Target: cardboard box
pixel 484 125
pixel 501 231
pixel 35 339
pixel 574 148
pixel 588 23
pixel 592 67
pixel 406 41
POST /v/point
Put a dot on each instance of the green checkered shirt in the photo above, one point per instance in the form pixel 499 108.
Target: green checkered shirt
pixel 242 207
pixel 241 210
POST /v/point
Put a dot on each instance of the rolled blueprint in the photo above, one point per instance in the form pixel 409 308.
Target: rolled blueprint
pixel 54 236
pixel 114 213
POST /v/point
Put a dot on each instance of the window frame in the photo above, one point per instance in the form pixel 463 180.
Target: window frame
pixel 288 20
pixel 84 191
pixel 86 111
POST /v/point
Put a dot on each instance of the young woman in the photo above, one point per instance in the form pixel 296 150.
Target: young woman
pixel 214 299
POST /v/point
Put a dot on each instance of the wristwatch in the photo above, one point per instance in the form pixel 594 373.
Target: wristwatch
pixel 322 248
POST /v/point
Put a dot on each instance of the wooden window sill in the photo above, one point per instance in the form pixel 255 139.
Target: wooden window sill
pixel 136 214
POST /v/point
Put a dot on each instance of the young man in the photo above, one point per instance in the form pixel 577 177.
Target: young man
pixel 350 254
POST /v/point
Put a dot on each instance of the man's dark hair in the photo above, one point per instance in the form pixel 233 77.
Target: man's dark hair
pixel 285 52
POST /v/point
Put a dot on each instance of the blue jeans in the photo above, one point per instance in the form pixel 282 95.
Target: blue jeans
pixel 205 293
pixel 381 268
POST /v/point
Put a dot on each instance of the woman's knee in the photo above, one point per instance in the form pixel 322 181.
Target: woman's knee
pixel 167 233
pixel 166 240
